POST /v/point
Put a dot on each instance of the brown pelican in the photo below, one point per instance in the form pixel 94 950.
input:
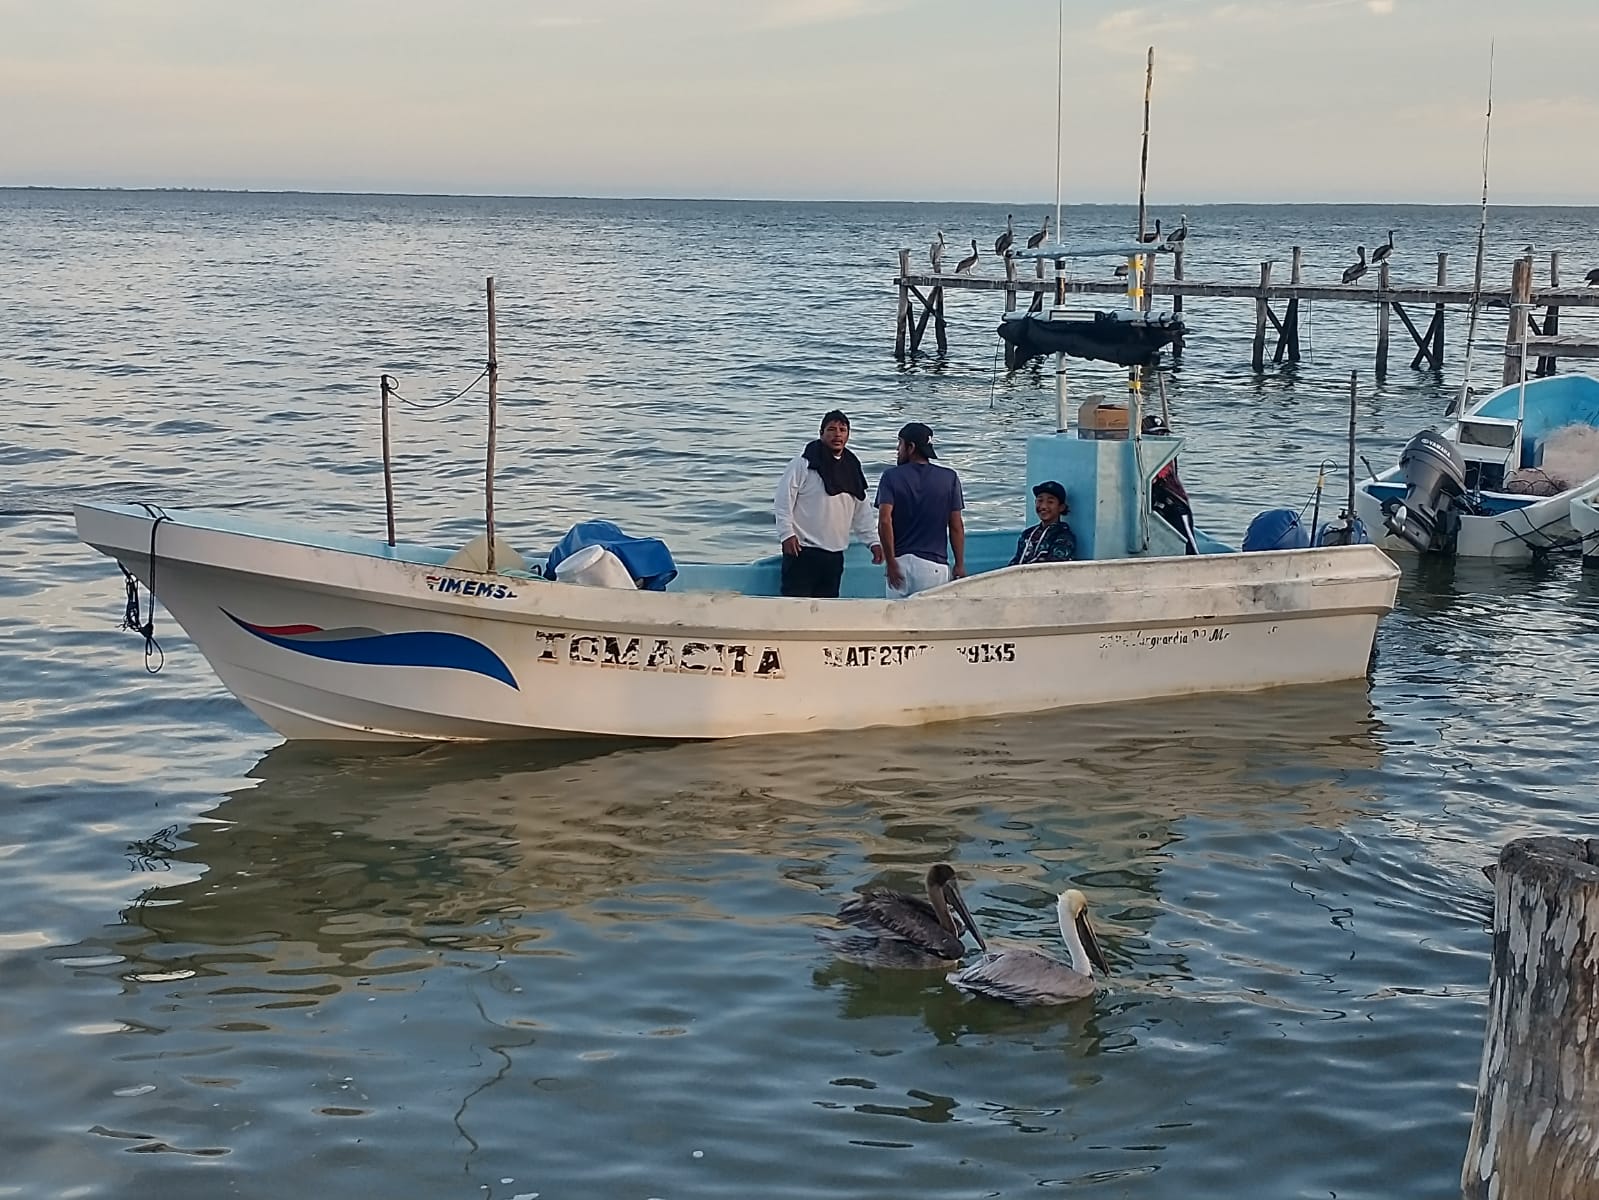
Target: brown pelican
pixel 907 931
pixel 1179 235
pixel 1593 277
pixel 1121 271
pixel 1038 239
pixel 1356 269
pixel 1028 977
pixel 1382 252
pixel 935 254
pixel 1153 235
pixel 964 267
pixel 1003 241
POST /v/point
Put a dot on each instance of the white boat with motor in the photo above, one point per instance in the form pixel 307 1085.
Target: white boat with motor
pixel 1500 483
pixel 333 636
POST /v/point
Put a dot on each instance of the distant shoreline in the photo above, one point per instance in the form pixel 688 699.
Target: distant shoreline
pixel 770 200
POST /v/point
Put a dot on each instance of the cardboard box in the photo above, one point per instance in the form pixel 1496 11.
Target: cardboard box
pixel 1098 419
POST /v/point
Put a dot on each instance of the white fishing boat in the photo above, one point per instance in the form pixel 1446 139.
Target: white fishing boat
pixel 330 636
pixel 1499 483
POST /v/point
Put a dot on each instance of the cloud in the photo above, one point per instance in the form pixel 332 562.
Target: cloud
pixel 1381 7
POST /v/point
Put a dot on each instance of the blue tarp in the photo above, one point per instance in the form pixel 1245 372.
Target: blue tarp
pixel 1276 529
pixel 646 559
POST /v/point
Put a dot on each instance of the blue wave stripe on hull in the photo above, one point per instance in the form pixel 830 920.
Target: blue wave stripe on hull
pixel 450 651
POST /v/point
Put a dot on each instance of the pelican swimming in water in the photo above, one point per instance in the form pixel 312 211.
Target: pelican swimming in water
pixel 907 931
pixel 964 267
pixel 935 254
pixel 1037 240
pixel 1003 242
pixel 1028 977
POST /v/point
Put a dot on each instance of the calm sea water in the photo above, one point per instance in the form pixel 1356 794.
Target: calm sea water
pixel 234 967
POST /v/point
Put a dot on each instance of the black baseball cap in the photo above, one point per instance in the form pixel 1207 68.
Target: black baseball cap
pixel 1050 488
pixel 920 436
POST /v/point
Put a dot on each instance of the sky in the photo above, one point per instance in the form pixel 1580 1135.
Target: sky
pixel 945 100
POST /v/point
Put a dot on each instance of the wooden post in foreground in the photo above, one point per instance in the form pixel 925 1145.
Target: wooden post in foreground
pixel 1536 1127
pixel 494 421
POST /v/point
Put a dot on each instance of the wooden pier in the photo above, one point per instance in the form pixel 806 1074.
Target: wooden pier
pixel 1541 306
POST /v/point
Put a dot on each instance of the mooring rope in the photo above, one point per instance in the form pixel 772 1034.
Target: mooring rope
pixel 131 617
pixel 394 390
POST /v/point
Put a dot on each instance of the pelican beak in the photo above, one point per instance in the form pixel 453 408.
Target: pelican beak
pixel 953 893
pixel 1085 930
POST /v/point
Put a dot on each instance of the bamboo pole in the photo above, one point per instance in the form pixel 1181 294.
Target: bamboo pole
pixel 1143 154
pixel 1537 1114
pixel 494 415
pixel 386 386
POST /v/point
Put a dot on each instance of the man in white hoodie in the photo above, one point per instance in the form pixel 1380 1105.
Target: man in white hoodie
pixel 820 504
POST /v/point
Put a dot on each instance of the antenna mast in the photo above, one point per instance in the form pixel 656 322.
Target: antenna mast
pixel 1482 235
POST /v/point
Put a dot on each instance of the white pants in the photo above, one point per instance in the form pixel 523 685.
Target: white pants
pixel 920 574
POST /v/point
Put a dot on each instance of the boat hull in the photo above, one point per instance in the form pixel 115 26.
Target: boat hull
pixel 1513 536
pixel 326 643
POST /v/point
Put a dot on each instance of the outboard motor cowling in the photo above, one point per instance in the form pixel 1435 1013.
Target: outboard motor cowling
pixel 1435 478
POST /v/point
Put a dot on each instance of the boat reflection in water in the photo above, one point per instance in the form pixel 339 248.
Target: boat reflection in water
pixel 563 937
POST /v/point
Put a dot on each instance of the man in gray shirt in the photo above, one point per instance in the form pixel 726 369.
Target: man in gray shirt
pixel 919 519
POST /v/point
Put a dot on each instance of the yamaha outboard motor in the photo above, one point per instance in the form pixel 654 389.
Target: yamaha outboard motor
pixel 1435 478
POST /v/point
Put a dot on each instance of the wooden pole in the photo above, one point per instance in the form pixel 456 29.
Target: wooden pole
pixel 1143 154
pixel 1438 314
pixel 1536 1123
pixel 1520 294
pixel 939 333
pixel 1291 317
pixel 1551 324
pixel 1257 357
pixel 904 317
pixel 1382 321
pixel 385 385
pixel 1010 283
pixel 1177 299
pixel 494 422
pixel 1149 281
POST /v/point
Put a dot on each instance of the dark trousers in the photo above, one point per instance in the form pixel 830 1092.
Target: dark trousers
pixel 813 572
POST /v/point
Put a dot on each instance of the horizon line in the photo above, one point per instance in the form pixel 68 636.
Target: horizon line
pixel 733 199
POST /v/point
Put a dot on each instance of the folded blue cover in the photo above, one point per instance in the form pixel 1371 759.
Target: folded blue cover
pixel 646 559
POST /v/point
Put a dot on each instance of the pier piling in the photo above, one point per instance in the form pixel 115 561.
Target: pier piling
pixel 1537 1115
pixel 1384 307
